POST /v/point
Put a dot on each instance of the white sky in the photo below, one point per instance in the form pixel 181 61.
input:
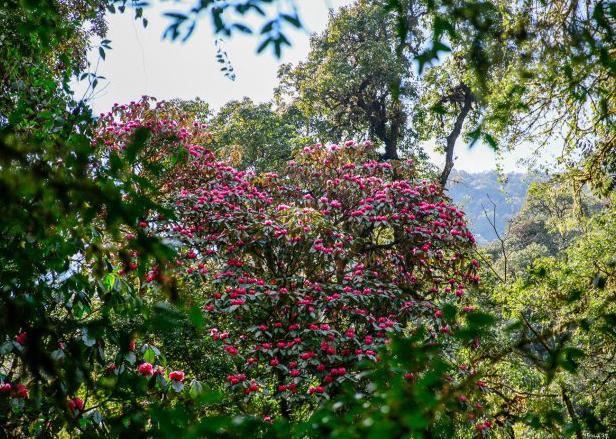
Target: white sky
pixel 142 63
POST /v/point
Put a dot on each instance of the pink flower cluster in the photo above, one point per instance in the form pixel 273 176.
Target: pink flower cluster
pixel 15 391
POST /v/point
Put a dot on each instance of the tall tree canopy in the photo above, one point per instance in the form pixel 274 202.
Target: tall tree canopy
pixel 355 82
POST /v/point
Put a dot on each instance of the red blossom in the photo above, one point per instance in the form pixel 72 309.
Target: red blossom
pixel 75 404
pixel 20 391
pixel 177 375
pixel 21 338
pixel 146 369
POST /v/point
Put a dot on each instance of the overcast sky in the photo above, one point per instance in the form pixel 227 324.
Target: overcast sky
pixel 142 63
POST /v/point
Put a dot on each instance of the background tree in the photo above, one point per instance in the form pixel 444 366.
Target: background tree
pixel 448 109
pixel 44 44
pixel 540 71
pixel 551 290
pixel 262 138
pixel 356 82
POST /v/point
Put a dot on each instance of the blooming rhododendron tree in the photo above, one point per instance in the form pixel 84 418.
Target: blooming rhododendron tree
pixel 305 274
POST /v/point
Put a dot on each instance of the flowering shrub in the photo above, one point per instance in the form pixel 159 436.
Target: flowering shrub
pixel 305 274
pixel 167 134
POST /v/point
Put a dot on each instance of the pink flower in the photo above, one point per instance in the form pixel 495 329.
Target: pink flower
pixel 22 338
pixel 231 350
pixel 145 369
pixel 341 371
pixel 177 375
pixel 5 387
pixel 235 379
pixel 76 404
pixel 316 389
pixel 20 391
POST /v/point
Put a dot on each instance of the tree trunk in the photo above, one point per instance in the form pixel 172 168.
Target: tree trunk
pixel 391 150
pixel 467 102
pixel 571 411
pixel 379 129
pixel 284 409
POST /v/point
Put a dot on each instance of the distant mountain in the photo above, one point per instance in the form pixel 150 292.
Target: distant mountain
pixel 474 192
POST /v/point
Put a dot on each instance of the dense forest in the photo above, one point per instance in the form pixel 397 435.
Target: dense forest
pixel 299 267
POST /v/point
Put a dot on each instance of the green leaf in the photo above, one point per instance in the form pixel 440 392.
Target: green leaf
pixel 264 44
pixel 490 141
pixel 149 355
pixel 57 355
pixel 570 359
pixel 131 357
pixel 196 389
pixel 87 340
pixel 242 28
pixel 110 281
pixel 196 317
pixel 6 347
pixel 177 386
pixel 293 19
pixel 599 281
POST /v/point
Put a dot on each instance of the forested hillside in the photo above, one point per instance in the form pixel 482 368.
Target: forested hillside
pixel 500 197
